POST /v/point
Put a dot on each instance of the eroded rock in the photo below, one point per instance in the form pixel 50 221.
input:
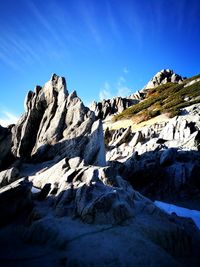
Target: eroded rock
pixel 57 123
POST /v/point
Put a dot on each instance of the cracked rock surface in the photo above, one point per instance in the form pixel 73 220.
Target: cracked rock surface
pixel 57 123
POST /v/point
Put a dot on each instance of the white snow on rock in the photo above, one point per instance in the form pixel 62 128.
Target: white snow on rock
pixel 182 212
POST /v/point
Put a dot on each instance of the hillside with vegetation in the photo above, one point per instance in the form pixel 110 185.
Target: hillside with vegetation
pixel 167 98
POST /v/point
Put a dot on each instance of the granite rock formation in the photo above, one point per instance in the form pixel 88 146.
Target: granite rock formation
pixel 107 108
pixel 61 206
pixel 162 77
pixel 163 159
pixel 55 124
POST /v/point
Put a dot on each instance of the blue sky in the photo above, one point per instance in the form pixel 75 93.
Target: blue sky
pixel 104 48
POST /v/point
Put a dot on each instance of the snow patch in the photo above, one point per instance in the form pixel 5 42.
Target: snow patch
pixel 35 190
pixel 182 212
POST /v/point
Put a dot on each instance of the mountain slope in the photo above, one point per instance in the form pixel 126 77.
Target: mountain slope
pixel 168 98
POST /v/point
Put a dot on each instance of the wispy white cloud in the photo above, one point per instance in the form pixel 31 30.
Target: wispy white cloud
pixel 7 118
pixel 8 61
pixel 89 18
pixel 122 89
pixel 119 88
pixel 113 22
pixel 125 70
pixel 134 23
pixel 44 22
pixel 105 92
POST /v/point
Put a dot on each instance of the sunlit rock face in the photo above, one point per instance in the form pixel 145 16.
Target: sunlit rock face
pixel 57 123
pixel 162 160
pixel 58 198
pixel 162 77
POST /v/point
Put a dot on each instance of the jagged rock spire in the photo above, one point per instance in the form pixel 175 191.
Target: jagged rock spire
pixel 162 77
pixel 58 124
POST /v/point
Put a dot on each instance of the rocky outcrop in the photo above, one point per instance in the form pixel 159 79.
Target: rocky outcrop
pixel 113 106
pixel 75 204
pixel 95 194
pixel 86 205
pixel 163 77
pixel 6 157
pixel 15 200
pixel 182 132
pixel 161 160
pixel 107 108
pixel 8 176
pixel 57 123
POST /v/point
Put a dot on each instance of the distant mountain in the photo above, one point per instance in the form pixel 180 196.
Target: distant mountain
pixel 162 77
pixel 166 93
pixel 107 108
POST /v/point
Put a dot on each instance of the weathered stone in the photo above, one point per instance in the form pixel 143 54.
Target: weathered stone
pixel 58 124
pixel 8 176
pixel 163 77
pixel 168 156
pixel 6 156
pixel 15 199
pixel 95 194
pixel 109 107
pixel 123 138
pixel 44 192
pixel 138 137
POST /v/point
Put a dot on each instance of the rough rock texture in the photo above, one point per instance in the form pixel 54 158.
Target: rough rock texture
pixel 162 160
pixel 87 207
pixel 106 108
pixel 57 124
pixel 81 214
pixel 6 156
pixel 15 199
pixel 8 176
pixel 182 132
pixel 95 194
pixel 163 77
pixel 109 107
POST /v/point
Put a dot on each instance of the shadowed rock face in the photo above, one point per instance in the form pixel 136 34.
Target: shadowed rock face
pixel 88 205
pixel 75 206
pixel 57 123
pixel 109 107
pixel 6 156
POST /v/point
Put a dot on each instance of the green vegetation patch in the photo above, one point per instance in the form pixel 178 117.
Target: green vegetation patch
pixel 168 98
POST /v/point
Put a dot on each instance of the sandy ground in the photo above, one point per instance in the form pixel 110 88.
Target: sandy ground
pixel 134 126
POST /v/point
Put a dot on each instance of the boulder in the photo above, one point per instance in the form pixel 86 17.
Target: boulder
pixel 8 176
pixel 138 137
pixel 94 194
pixel 6 156
pixel 168 156
pixel 123 138
pixel 15 200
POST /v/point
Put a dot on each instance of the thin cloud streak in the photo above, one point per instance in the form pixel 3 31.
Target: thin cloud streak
pixel 11 63
pixel 105 92
pixel 7 118
pixel 44 22
pixel 113 23
pixel 120 88
pixel 88 17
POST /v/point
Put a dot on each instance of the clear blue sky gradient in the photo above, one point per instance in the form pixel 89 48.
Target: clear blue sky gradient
pixel 102 47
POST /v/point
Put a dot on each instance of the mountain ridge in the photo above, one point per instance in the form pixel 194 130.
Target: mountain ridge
pixel 69 189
